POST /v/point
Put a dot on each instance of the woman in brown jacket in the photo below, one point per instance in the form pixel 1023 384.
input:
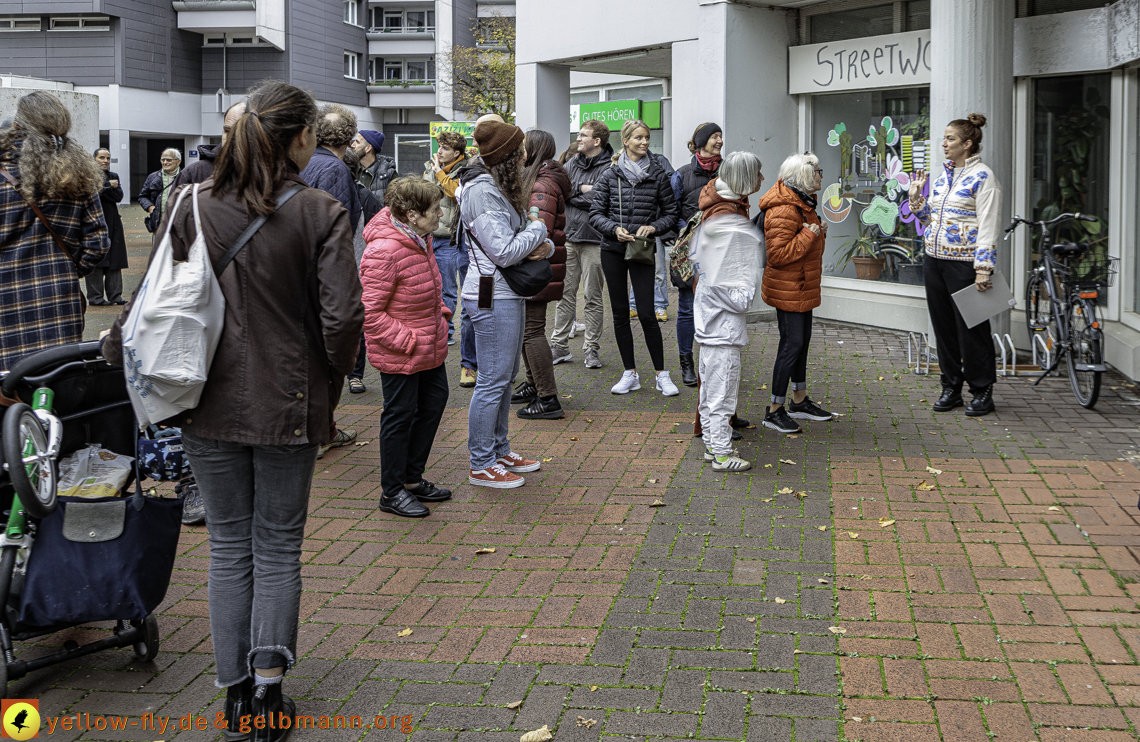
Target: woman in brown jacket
pixel 292 329
pixel 549 187
pixel 794 236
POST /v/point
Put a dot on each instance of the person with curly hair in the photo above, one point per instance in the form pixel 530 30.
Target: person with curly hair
pixel 335 129
pixel 42 260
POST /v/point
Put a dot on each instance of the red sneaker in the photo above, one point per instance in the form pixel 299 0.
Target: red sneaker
pixel 495 476
pixel 513 462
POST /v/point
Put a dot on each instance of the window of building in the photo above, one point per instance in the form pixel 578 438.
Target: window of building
pixel 853 24
pixel 1048 7
pixel 917 15
pixel 352 12
pixel 868 143
pixel 420 20
pixel 591 96
pixel 393 69
pixel 100 23
pixel 393 20
pixel 20 23
pixel 412 153
pixel 352 65
pixel 642 93
pixel 422 70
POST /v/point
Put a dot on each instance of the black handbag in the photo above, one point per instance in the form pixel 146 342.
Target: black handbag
pixel 642 249
pixel 526 278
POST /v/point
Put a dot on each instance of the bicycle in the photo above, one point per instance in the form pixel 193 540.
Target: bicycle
pixel 1061 302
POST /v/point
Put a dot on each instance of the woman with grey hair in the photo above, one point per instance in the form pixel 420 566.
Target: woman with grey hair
pixel 728 262
pixel 795 237
pixel 158 186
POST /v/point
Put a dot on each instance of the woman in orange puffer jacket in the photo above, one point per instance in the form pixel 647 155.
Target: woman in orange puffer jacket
pixel 794 237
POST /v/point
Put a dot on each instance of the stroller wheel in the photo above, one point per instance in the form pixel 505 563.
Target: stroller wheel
pixel 146 648
pixel 30 462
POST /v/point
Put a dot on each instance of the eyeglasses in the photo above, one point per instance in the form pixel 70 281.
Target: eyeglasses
pixel 167 159
pixel 818 171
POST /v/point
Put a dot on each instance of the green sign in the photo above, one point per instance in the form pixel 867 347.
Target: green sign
pixel 465 128
pixel 613 113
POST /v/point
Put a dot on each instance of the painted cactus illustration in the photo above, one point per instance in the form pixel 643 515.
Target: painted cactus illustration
pixel 881 137
pixel 840 137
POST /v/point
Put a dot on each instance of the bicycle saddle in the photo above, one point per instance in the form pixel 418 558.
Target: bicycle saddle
pixel 1069 249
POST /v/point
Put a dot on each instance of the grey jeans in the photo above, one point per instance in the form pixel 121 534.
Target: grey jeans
pixel 583 267
pixel 498 344
pixel 257 500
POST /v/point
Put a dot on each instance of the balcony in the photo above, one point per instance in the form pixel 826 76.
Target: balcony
pixel 401 93
pixel 263 19
pixel 401 40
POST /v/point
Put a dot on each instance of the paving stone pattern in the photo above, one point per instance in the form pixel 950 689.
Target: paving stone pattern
pixel 741 610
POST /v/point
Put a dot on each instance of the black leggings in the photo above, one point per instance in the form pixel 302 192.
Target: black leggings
pixel 791 358
pixel 641 276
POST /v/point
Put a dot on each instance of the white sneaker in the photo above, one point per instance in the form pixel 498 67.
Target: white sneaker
pixel 665 385
pixel 731 464
pixel 629 382
pixel 579 327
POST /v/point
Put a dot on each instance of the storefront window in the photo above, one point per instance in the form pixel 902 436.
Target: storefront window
pixel 852 24
pixel 1048 7
pixel 868 144
pixel 1070 154
pixel 917 15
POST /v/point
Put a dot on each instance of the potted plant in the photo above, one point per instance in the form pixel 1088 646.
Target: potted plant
pixel 863 251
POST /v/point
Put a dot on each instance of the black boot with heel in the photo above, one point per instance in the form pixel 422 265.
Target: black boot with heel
pixel 273 714
pixel 688 370
pixel 239 699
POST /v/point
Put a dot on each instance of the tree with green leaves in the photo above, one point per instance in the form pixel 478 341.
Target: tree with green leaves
pixel 482 77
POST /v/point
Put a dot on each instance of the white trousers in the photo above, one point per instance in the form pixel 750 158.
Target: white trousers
pixel 720 385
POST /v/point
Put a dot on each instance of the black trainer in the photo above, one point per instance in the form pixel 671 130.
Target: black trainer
pixel 739 422
pixel 427 491
pixel 276 709
pixel 403 504
pixel 543 408
pixel 950 399
pixel 780 422
pixel 982 404
pixel 239 698
pixel 808 410
pixel 525 393
pixel 193 507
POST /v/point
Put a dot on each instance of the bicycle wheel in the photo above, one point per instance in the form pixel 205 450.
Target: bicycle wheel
pixel 30 466
pixel 1085 351
pixel 1038 313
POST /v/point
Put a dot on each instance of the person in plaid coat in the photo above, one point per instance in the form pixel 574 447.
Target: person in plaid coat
pixel 39 283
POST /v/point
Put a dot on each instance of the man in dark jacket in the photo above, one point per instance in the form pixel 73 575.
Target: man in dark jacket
pixel 376 170
pixel 158 186
pixel 583 246
pixel 203 169
pixel 336 127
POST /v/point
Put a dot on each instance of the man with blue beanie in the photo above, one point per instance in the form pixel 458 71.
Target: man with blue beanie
pixel 376 170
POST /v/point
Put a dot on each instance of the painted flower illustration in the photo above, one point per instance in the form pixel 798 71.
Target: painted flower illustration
pixel 886 133
pixel 908 216
pixel 833 135
pixel 897 179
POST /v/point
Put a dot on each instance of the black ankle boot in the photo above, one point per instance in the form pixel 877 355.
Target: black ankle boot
pixel 688 372
pixel 983 402
pixel 524 393
pixel 950 399
pixel 273 714
pixel 238 700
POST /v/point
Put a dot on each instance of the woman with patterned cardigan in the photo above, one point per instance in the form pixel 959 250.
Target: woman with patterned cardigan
pixel 963 223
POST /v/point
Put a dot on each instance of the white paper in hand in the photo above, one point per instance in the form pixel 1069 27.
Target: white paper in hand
pixel 978 306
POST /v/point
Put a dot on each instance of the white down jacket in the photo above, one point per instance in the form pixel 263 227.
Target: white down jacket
pixel 728 257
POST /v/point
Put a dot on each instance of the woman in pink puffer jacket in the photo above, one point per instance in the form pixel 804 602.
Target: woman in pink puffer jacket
pixel 405 326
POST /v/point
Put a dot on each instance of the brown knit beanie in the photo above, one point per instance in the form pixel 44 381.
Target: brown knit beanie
pixel 497 141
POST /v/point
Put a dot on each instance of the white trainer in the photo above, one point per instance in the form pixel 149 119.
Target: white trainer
pixel 731 464
pixel 665 385
pixel 629 382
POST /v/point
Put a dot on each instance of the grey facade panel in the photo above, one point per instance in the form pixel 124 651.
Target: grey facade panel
pixel 186 61
pixel 244 68
pixel 317 39
pixel 80 57
pixel 465 18
pixel 56 7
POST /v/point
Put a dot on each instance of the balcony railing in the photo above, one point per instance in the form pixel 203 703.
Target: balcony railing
pixel 418 85
pixel 402 29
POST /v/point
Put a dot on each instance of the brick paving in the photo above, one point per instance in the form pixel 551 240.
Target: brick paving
pixel 1000 603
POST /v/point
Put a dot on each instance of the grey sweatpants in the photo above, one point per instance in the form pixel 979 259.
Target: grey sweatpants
pixel 720 385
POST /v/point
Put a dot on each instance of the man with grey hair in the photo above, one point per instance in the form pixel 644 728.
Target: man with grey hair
pixel 336 127
pixel 158 186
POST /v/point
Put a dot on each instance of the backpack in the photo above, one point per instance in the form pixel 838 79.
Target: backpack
pixel 681 270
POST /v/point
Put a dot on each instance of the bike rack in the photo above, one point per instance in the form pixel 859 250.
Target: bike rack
pixel 1039 342
pixel 1008 362
pixel 916 348
pixel 1004 369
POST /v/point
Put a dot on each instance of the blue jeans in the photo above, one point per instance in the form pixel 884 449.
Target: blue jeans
pixel 498 341
pixel 467 357
pixel 660 283
pixel 257 500
pixel 685 325
pixel 445 257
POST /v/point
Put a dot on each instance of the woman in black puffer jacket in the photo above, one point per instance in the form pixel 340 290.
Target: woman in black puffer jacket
pixel 634 198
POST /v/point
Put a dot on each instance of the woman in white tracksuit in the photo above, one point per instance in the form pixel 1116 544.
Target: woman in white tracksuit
pixel 729 262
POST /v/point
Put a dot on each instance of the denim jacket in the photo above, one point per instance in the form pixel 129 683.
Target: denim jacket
pixel 963 214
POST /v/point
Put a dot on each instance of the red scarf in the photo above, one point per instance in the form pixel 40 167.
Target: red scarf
pixel 709 164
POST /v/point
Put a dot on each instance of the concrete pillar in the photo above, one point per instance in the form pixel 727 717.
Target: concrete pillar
pixel 971 61
pixel 542 98
pixel 119 142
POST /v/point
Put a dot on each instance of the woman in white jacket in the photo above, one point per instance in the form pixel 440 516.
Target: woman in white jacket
pixel 729 259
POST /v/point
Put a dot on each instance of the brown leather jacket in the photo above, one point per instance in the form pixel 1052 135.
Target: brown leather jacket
pixel 293 319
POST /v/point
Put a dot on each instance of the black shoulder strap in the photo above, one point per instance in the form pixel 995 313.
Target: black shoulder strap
pixel 245 236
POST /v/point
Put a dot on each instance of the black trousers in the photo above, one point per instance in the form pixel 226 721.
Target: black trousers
pixel 641 277
pixel 105 279
pixel 791 356
pixel 413 407
pixel 965 354
pixel 361 360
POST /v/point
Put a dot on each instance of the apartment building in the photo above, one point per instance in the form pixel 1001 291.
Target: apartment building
pixel 165 71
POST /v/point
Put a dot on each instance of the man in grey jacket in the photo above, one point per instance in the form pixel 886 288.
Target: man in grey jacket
pixel 583 246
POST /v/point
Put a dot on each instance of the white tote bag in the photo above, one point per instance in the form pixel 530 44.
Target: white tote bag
pixel 172 331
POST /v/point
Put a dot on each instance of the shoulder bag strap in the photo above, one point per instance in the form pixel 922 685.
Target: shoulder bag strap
pixel 39 215
pixel 245 236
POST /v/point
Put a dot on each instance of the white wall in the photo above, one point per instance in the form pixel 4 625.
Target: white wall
pixel 549 30
pixel 83 107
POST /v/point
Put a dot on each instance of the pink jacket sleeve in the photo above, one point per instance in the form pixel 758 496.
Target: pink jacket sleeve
pixel 378 279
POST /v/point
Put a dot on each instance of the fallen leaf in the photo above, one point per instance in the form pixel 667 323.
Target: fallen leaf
pixel 488 550
pixel 852 534
pixel 865 577
pixel 933 471
pixel 654 481
pixel 538 735
pixel 922 400
pixel 784 491
pixel 767 466
pixel 750 427
pixel 793 437
pixel 1054 508
pixel 587 723
pixel 797 651
pixel 751 619
pixel 839 414
pixel 680 440
pixel 801 494
pixel 786 461
pixel 405 632
pixel 933 432
pixel 767 499
pixel 821 581
pixel 925 487
pixel 781 601
pixel 821 528
pixel 836 630
pixel 763 386
pixel 514 704
pixel 884 522
pixel 657 504
pixel 856 718
pixel 575 438
pixel 589 420
pixel 547 460
pixel 567 396
pixel 361 443
pixel 880 378
pixel 593 688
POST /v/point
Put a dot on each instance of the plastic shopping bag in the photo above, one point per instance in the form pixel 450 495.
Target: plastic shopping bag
pixel 171 334
pixel 93 472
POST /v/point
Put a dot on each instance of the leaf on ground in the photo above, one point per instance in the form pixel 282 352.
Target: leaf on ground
pixel 405 632
pixel 751 619
pixel 1054 508
pixel 589 420
pixel 567 396
pixel 767 499
pixel 801 494
pixel 750 427
pixel 925 486
pixel 575 438
pixel 884 522
pixel 654 481
pixel 865 577
pixel 852 534
pixel 487 550
pixel 821 581
pixel 880 378
pixel 856 718
pixel 680 440
pixel 767 466
pixel 361 443
pixel 657 504
pixel 547 460
pixel 584 722
pixel 781 601
pixel 784 491
pixel 922 400
pixel 797 651
pixel 786 461
pixel 836 630
pixel 933 471
pixel 514 704
pixel 538 735
pixel 821 528
pixel 763 386
pixel 593 688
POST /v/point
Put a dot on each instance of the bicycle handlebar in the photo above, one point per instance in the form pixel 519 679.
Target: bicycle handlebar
pixel 1017 220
